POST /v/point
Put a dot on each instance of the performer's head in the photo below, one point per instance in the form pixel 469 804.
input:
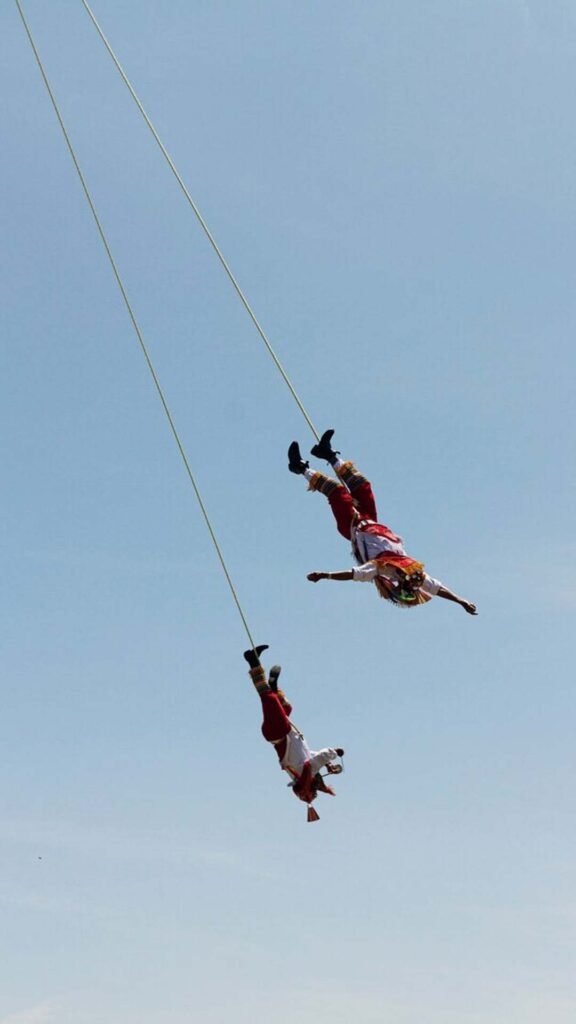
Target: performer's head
pixel 405 590
pixel 411 581
pixel 305 790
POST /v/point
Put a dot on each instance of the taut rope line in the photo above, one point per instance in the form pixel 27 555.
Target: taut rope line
pixel 202 222
pixel 134 322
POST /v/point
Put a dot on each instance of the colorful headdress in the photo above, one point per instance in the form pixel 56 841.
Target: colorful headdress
pixel 393 590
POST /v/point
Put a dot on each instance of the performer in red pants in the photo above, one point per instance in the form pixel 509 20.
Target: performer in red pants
pixel 294 754
pixel 378 551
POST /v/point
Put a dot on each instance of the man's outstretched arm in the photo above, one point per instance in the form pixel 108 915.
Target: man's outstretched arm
pixel 323 757
pixel 449 596
pixel 345 574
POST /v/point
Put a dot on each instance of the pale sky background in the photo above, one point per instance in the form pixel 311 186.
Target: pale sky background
pixel 394 185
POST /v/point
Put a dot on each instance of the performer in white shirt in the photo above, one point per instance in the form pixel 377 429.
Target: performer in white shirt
pixel 379 551
pixel 294 754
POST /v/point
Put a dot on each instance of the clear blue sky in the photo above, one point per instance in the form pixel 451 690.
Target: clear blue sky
pixel 394 185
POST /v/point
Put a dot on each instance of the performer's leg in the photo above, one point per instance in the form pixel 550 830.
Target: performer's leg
pixel 339 498
pixel 354 491
pixel 276 724
pixel 359 487
pixel 258 677
pixel 273 678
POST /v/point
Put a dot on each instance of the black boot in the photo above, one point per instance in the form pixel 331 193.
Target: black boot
pixel 273 677
pixel 296 463
pixel 253 656
pixel 323 450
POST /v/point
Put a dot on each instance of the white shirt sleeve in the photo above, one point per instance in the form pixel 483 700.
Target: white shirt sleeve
pixel 430 585
pixel 365 573
pixel 322 757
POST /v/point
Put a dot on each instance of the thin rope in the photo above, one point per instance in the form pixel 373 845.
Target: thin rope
pixel 201 221
pixel 135 323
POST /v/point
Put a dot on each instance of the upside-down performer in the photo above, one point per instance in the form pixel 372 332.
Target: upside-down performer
pixel 378 551
pixel 295 757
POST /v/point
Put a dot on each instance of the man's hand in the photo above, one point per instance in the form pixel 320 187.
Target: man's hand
pixel 315 576
pixel 469 607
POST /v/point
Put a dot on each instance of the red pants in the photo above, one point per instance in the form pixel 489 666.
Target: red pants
pixel 276 724
pixel 342 505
